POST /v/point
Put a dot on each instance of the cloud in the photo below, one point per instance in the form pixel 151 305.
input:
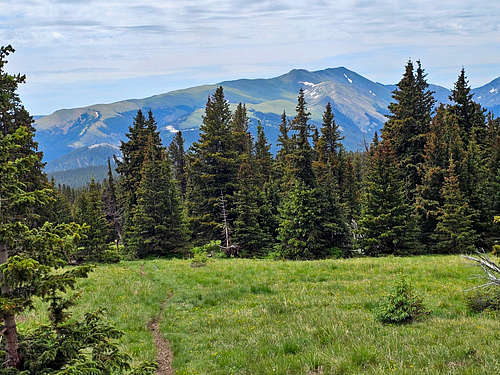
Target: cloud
pixel 64 42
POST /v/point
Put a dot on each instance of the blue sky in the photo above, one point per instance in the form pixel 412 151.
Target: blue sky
pixel 78 53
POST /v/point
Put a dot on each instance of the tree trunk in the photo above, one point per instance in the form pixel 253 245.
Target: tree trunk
pixel 10 329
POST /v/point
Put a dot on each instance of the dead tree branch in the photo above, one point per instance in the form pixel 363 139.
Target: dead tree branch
pixel 491 269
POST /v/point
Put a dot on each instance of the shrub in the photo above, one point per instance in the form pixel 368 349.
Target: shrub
pixel 202 253
pixel 401 305
pixel 484 299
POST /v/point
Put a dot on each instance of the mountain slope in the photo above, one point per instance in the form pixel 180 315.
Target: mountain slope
pixel 88 156
pixel 360 106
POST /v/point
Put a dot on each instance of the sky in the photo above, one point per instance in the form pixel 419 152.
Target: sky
pixel 78 53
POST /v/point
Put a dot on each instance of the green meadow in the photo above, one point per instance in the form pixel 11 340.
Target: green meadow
pixel 237 316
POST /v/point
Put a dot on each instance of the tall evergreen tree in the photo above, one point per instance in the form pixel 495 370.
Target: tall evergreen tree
pixel 408 125
pixel 470 115
pixel 309 228
pixel 178 157
pixel 386 222
pixel 89 210
pixel 129 168
pixel 283 139
pixel 454 232
pixel 110 202
pixel 328 146
pixel 239 127
pixel 433 170
pixel 263 157
pixel 212 170
pixel 248 233
pixel 157 226
pixel 302 154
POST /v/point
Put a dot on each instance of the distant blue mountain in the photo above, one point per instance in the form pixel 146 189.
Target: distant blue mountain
pixel 68 136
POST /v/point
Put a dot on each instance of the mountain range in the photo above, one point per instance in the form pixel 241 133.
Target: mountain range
pixel 87 136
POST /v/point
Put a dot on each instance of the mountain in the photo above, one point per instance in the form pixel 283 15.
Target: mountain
pixel 70 137
pixel 80 177
pixel 88 156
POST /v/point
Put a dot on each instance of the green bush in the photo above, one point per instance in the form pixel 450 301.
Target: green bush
pixel 484 299
pixel 202 253
pixel 110 255
pixel 401 305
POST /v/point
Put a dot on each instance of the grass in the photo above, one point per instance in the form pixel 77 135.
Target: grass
pixel 271 317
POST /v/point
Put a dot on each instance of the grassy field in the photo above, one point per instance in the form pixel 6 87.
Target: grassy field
pixel 272 317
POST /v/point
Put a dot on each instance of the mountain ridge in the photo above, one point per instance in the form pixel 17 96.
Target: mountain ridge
pixel 360 106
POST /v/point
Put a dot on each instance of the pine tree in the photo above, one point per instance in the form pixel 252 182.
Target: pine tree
pixel 470 115
pixel 263 158
pixel 239 127
pixel 129 168
pixel 157 226
pixel 454 232
pixel 212 170
pixel 248 233
pixel 178 157
pixel 302 155
pixel 331 163
pixel 408 125
pixel 283 140
pixel 110 202
pixel 386 222
pixel 493 179
pixel 308 228
pixel 443 141
pixel 59 209
pixel 89 210
pixel 133 156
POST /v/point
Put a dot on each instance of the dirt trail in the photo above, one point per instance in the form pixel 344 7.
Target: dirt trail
pixel 164 355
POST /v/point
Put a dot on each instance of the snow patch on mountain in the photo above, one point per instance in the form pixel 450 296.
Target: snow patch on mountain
pixel 308 83
pixel 103 145
pixel 84 130
pixel 493 91
pixel 346 77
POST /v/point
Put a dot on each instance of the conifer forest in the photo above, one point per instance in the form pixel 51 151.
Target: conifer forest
pixel 234 227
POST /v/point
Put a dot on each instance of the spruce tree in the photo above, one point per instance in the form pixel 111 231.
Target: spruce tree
pixel 309 228
pixel 248 233
pixel 386 225
pixel 493 180
pixel 408 124
pixel 433 170
pixel 283 140
pixel 263 158
pixel 302 155
pixel 129 167
pixel 470 115
pixel 212 169
pixel 110 202
pixel 178 157
pixel 157 225
pixel 89 210
pixel 454 232
pixel 239 128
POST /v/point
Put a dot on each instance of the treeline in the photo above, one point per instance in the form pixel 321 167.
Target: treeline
pixel 430 184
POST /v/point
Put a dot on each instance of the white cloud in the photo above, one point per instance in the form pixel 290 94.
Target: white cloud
pixel 71 41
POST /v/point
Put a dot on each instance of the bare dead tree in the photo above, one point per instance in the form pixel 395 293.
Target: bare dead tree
pixel 491 269
pixel 229 249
